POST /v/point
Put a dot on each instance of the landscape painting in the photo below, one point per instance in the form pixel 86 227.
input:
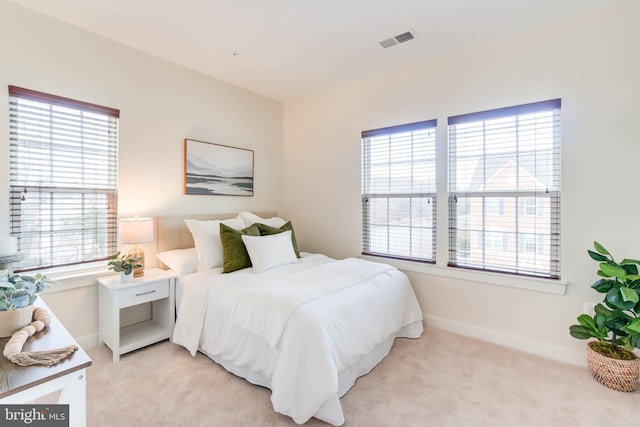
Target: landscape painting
pixel 213 169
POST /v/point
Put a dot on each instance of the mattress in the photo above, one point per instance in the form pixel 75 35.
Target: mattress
pixel 306 331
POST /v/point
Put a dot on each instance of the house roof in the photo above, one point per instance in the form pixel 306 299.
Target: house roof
pixel 528 166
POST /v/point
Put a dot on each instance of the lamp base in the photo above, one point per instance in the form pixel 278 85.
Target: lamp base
pixel 137 252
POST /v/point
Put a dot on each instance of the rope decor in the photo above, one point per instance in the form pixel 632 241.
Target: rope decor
pixel 13 348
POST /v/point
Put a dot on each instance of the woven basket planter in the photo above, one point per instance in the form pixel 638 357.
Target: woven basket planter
pixel 620 375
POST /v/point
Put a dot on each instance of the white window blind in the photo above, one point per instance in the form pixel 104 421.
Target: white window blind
pixel 504 180
pixel 399 191
pixel 63 178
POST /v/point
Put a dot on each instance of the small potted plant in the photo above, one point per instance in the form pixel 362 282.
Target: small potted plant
pixel 124 264
pixel 17 295
pixel 615 324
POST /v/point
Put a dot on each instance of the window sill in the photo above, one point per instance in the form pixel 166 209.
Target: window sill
pixel 76 279
pixel 557 287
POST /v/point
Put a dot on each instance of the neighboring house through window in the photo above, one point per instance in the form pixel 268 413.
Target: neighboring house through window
pixel 504 180
pixel 399 191
pixel 63 179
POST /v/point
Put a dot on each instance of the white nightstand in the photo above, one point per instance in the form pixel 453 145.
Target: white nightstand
pixel 157 287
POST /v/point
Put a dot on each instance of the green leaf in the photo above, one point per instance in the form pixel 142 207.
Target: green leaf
pixel 630 261
pixel 600 248
pixel 627 344
pixel 629 295
pixel 635 341
pixel 633 328
pixel 7 285
pixel 603 285
pixel 600 320
pixel 613 271
pixel 596 256
pixel 614 299
pixel 580 332
pixel 602 310
pixel 587 321
pixel 630 269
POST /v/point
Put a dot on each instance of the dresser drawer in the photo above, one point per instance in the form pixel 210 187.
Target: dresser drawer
pixel 140 294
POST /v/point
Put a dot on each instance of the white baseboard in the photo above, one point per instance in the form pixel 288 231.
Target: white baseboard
pixel 512 341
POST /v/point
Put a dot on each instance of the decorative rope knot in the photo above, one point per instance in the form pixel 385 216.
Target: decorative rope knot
pixel 13 348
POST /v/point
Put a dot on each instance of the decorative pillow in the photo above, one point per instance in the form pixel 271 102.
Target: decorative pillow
pixel 206 235
pixel 250 219
pixel 267 230
pixel 234 253
pixel 182 261
pixel 270 251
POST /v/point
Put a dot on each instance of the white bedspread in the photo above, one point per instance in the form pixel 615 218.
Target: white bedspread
pixel 317 318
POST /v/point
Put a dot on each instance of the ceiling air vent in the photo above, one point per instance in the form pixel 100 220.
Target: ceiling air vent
pixel 404 37
pixel 388 43
pixel 400 38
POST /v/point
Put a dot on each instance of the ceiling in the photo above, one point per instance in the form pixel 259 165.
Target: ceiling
pixel 286 49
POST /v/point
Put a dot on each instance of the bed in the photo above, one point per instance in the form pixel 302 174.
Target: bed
pixel 305 329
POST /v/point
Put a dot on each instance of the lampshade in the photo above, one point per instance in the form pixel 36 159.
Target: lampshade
pixel 8 246
pixel 136 230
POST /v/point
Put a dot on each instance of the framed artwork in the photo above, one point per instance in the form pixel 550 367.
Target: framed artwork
pixel 214 169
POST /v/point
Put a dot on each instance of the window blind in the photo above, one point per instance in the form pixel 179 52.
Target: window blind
pixel 504 190
pixel 399 191
pixel 63 179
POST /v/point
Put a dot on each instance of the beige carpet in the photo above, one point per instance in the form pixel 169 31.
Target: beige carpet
pixel 441 379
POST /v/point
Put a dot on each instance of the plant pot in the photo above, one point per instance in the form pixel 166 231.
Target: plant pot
pixel 12 321
pixel 126 278
pixel 620 375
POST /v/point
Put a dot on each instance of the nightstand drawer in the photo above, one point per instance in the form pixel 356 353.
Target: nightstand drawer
pixel 140 294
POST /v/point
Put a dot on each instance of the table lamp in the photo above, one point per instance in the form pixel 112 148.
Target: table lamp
pixel 133 231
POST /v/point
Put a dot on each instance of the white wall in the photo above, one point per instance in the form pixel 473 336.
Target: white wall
pixel 314 177
pixel 591 63
pixel 160 105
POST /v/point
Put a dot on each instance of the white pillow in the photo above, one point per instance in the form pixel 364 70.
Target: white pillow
pixel 182 261
pixel 251 218
pixel 270 251
pixel 206 236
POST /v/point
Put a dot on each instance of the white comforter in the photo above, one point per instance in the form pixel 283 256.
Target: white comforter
pixel 314 319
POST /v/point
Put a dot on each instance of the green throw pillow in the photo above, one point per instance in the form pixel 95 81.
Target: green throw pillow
pixel 234 253
pixel 266 230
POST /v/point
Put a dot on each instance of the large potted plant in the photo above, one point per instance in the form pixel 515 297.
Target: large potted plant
pixel 615 324
pixel 17 295
pixel 124 264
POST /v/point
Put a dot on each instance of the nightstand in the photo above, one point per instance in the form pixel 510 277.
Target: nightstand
pixel 156 287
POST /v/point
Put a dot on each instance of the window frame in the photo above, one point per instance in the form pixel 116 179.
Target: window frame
pixel 553 195
pixel 367 195
pixel 87 127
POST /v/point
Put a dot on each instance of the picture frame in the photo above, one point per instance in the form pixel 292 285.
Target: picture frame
pixel 215 169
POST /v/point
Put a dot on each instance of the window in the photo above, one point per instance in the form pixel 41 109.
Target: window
pixel 494 205
pixel 531 206
pixel 531 243
pixel 504 179
pixel 399 191
pixel 495 240
pixel 63 179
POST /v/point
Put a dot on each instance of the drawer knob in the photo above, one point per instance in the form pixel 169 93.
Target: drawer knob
pixel 146 293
